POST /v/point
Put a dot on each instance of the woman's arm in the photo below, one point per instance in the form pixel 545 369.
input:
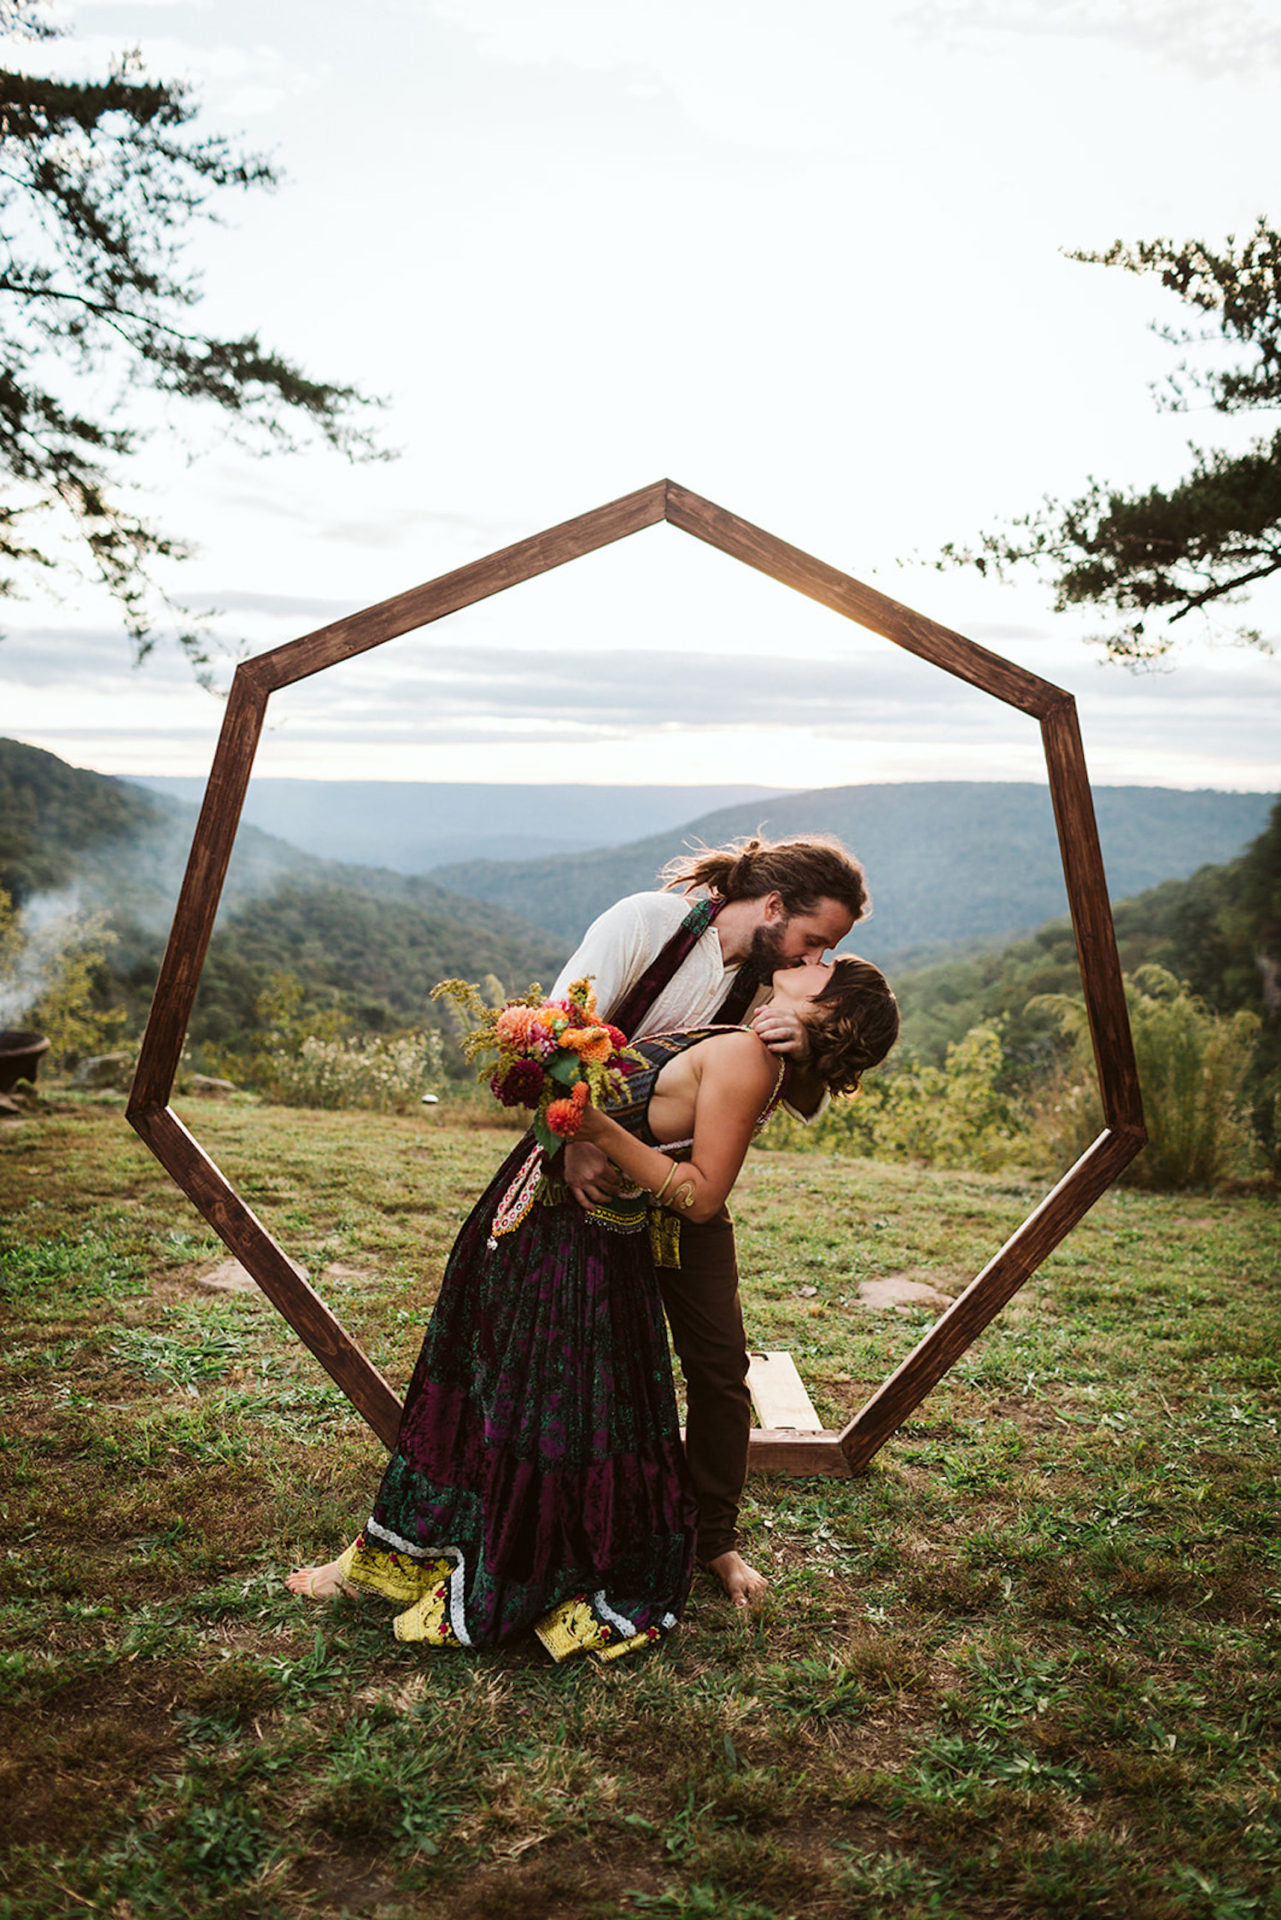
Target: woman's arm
pixel 737 1077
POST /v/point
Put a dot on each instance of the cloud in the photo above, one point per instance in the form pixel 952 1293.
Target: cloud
pixel 639 688
pixel 280 605
pixel 89 659
pixel 1212 724
pixel 1232 36
pixel 497 695
pixel 393 529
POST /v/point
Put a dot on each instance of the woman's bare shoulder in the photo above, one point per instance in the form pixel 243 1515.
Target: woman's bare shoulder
pixel 740 1058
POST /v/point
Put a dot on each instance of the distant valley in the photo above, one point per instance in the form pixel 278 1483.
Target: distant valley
pixel 413 826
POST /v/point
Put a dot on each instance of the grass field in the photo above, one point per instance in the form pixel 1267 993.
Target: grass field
pixel 1026 1665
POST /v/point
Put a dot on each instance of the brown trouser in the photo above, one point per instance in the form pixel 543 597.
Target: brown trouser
pixel 702 1305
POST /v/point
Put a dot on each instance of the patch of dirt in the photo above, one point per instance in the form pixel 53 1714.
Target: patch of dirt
pixel 345 1882
pixel 899 1290
pixel 352 1276
pixel 230 1277
pixel 1030 1416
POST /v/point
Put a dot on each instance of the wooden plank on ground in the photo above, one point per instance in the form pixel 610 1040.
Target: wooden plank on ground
pixel 778 1394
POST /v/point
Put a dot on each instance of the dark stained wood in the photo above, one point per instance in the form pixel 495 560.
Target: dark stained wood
pixel 1092 918
pixel 781 1450
pixel 284 1284
pixel 772 1450
pixel 211 846
pixel 452 591
pixel 840 591
pixel 983 1299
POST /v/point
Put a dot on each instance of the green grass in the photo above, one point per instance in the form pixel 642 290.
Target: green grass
pixel 1027 1664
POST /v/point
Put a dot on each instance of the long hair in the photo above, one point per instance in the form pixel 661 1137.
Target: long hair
pixel 802 871
pixel 852 1024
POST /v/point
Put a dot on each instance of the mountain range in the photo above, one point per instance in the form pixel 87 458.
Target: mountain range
pixel 954 868
pixel 947 861
pixel 377 941
pixel 412 826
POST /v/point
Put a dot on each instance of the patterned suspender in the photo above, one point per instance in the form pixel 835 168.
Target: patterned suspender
pixel 636 1003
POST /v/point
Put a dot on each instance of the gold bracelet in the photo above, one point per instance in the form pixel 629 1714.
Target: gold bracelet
pixel 671 1175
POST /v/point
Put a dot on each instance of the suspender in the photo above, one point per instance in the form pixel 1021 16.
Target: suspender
pixel 638 1000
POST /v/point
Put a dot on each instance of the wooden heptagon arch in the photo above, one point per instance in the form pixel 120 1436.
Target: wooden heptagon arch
pixel 284 1284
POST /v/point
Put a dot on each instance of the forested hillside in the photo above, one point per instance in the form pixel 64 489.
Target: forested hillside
pixel 946 861
pixel 55 820
pixel 1220 931
pixel 371 941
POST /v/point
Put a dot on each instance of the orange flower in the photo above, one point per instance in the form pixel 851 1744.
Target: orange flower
pixel 564 1117
pixel 580 1093
pixel 589 1043
pixel 582 995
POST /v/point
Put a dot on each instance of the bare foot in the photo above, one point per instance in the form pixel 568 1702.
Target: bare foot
pixel 742 1583
pixel 316 1583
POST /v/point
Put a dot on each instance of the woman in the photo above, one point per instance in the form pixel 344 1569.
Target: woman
pixel 538 1479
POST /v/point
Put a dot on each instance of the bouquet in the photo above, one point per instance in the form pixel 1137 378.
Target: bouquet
pixel 553 1056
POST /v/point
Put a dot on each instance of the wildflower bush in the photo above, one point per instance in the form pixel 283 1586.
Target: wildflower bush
pixel 388 1073
pixel 309 1059
pixel 1194 1074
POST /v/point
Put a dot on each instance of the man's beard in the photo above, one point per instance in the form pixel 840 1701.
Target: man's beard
pixel 767 955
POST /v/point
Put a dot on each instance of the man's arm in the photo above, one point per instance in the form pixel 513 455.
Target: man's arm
pixel 781 1028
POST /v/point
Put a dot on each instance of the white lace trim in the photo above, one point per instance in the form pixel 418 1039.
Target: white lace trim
pixel 415 1552
pixel 625 1626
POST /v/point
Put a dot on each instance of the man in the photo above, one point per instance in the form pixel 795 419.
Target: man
pixel 662 961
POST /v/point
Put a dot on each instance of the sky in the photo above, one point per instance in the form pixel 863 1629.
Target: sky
pixel 808 262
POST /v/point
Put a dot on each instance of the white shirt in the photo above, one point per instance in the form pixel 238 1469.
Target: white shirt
pixel 627 938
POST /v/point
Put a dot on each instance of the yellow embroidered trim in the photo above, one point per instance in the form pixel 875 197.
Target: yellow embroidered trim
pixel 572 1627
pixel 617 1648
pixel 569 1628
pixel 428 1618
pixel 391 1575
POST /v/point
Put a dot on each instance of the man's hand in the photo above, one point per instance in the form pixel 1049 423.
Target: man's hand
pixel 781 1028
pixel 590 1174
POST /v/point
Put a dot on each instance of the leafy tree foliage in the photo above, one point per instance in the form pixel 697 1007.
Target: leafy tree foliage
pixel 101 183
pixel 1159 551
pixel 1195 1071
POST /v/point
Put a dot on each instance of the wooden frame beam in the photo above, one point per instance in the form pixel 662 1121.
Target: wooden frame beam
pixel 771 1450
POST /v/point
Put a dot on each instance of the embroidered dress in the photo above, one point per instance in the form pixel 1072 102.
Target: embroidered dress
pixel 538 1480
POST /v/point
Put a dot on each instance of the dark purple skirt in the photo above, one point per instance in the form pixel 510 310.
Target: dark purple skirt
pixel 540 1452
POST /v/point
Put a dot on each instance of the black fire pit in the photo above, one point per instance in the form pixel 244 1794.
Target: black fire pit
pixel 21 1051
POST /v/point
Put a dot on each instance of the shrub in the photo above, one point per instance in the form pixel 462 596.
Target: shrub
pixel 958 1115
pixel 388 1072
pixel 1194 1068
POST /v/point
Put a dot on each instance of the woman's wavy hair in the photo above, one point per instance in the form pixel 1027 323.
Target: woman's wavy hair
pixel 852 1024
pixel 802 871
